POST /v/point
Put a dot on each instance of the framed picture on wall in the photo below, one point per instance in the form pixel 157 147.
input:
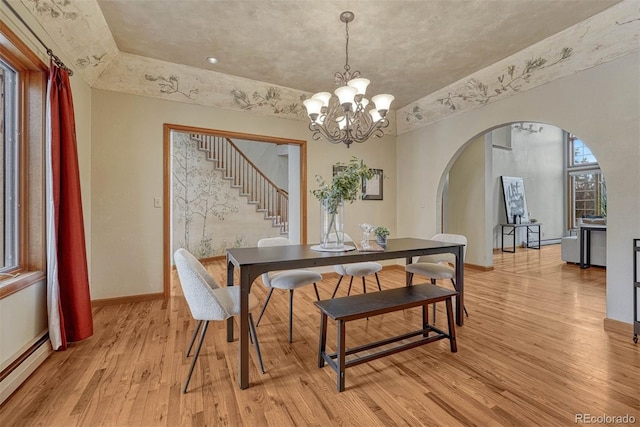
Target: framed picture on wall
pixel 515 201
pixel 372 188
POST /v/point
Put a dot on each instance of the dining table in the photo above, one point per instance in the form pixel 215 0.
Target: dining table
pixel 251 262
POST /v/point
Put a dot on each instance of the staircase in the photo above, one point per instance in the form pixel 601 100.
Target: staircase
pixel 247 178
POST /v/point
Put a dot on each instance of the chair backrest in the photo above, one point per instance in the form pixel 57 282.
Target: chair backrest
pixel 274 241
pixel 446 258
pixel 271 241
pixel 198 286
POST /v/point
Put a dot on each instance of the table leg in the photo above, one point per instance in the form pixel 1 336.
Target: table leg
pixel 585 244
pixel 243 368
pixel 407 274
pixel 460 286
pixel 229 283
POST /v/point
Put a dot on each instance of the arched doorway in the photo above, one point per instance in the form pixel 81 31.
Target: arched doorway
pixel 562 178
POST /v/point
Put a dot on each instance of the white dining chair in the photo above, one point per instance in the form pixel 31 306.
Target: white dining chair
pixel 287 279
pixel 208 301
pixel 356 269
pixel 438 266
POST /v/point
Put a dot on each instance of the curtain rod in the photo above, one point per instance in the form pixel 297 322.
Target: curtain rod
pixel 56 60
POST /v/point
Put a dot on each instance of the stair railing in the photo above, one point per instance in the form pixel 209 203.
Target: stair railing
pixel 246 176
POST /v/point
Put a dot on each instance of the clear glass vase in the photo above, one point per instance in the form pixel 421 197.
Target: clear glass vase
pixel 332 224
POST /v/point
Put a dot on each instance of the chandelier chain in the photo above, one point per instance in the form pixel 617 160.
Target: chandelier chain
pixel 346 63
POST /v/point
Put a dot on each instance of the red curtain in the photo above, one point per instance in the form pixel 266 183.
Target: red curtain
pixel 75 302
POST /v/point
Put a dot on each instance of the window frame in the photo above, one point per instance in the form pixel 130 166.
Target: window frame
pixel 573 170
pixel 30 126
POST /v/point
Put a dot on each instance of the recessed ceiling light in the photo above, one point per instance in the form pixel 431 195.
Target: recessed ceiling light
pixel 212 60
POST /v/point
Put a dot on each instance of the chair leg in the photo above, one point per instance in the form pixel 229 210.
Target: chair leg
pixel 378 281
pixel 456 288
pixel 193 337
pixel 290 315
pixel 364 286
pixel 316 289
pixel 349 290
pixel 195 356
pixel 337 286
pixel 264 306
pixel 254 336
pixel 410 279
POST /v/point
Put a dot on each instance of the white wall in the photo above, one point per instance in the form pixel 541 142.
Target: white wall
pixel 466 201
pixel 540 160
pixel 600 104
pixel 127 173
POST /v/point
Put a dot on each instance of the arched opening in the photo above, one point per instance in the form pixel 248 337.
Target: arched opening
pixel 564 186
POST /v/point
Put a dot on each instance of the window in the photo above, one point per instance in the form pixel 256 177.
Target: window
pixel 587 186
pixel 10 170
pixel 581 154
pixel 22 107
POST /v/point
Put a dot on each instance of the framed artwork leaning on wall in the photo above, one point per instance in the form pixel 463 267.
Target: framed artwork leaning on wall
pixel 515 201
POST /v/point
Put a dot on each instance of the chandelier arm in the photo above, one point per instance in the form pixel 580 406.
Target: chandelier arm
pixel 322 132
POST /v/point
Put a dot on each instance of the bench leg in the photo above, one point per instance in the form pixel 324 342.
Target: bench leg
pixel 323 339
pixel 341 355
pixel 452 326
pixel 425 319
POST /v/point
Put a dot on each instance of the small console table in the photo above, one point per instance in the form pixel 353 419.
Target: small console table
pixel 585 242
pixel 532 229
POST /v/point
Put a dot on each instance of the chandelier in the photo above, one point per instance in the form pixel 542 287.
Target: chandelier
pixel 346 119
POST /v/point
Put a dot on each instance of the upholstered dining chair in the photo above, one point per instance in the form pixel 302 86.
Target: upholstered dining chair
pixel 439 266
pixel 207 301
pixel 288 280
pixel 357 269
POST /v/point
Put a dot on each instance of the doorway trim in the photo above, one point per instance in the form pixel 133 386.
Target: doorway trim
pixel 166 178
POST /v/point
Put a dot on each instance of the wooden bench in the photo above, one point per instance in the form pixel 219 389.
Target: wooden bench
pixel 372 304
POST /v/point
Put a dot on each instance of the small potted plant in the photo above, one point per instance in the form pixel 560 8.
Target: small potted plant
pixel 381 233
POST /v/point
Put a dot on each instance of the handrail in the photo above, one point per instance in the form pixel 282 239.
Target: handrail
pixel 246 175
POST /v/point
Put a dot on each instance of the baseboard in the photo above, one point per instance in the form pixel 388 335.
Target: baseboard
pixel 616 326
pixel 126 300
pixel 478 267
pixel 18 374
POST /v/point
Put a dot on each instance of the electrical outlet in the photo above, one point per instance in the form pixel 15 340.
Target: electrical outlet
pixel 157 202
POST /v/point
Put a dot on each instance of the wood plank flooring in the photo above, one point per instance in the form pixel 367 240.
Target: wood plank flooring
pixel 533 351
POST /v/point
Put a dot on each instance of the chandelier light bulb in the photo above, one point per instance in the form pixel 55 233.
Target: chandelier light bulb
pixel 324 97
pixel 346 95
pixel 360 84
pixel 342 122
pixel 375 115
pixel 314 107
pixel 383 102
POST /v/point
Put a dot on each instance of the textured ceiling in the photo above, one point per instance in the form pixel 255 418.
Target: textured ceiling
pixel 407 48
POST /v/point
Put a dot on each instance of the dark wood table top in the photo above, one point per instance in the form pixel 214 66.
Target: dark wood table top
pixel 292 256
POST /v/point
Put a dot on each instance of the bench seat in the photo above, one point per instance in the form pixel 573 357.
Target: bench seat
pixel 372 304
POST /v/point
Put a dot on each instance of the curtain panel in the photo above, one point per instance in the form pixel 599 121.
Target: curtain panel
pixel 68 297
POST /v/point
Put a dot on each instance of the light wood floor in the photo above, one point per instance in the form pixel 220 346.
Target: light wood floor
pixel 532 352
